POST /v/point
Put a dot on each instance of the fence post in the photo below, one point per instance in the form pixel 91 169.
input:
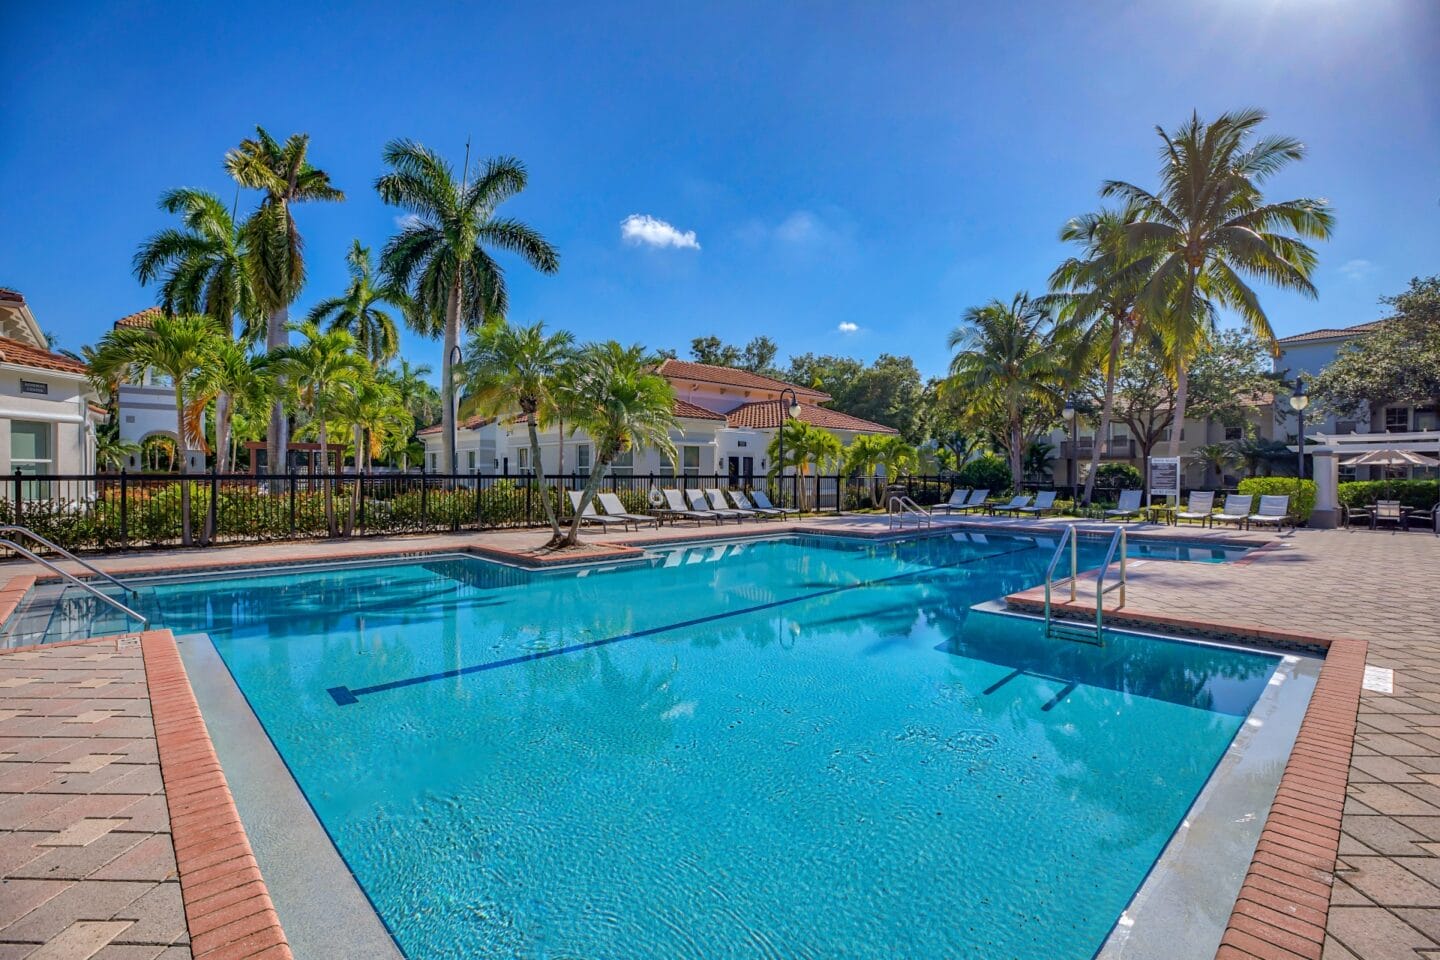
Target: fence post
pixel 839 495
pixel 19 493
pixel 124 510
pixel 424 499
pixel 360 495
pixel 293 480
pixel 528 488
pixel 454 492
pixel 214 521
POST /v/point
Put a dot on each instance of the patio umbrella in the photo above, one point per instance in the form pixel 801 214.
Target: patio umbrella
pixel 1390 458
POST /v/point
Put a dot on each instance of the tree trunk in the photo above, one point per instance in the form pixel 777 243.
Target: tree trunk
pixel 1107 411
pixel 452 340
pixel 1182 389
pixel 277 334
pixel 555 535
pixel 222 433
pixel 1017 457
pixel 184 467
pixel 592 485
pixel 325 479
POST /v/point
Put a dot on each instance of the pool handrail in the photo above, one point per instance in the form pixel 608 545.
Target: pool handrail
pixel 87 587
pixel 45 541
pixel 1068 537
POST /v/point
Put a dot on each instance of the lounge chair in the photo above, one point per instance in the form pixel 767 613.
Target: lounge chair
pixel 1016 504
pixel 743 503
pixel 699 502
pixel 1236 511
pixel 958 501
pixel 1044 503
pixel 1273 509
pixel 1200 507
pixel 719 504
pixel 762 500
pixel 977 500
pixel 590 516
pixel 676 509
pixel 1127 508
pixel 615 508
pixel 1389 511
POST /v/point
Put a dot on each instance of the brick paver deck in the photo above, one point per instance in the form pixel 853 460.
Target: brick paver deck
pixel 1377 587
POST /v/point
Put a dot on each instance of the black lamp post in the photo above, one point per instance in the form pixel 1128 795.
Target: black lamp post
pixel 1298 402
pixel 456 358
pixel 793 410
pixel 1069 414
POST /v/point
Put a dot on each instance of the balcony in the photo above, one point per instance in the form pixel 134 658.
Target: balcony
pixel 1083 449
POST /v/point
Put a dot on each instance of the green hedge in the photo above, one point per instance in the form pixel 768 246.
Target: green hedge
pixel 1420 494
pixel 1119 475
pixel 1300 505
pixel 987 472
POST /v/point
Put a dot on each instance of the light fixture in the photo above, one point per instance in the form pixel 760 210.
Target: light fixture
pixel 795 409
pixel 1069 412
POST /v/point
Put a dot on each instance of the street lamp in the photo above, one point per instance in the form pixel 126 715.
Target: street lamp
pixel 1298 402
pixel 792 411
pixel 456 358
pixel 1069 414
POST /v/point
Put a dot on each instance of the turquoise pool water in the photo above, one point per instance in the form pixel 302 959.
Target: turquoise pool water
pixel 794 748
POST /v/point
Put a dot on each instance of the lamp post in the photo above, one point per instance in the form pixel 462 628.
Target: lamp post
pixel 1069 414
pixel 456 358
pixel 1298 402
pixel 793 410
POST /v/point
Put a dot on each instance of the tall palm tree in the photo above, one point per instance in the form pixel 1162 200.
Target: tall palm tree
pixel 806 446
pixel 273 247
pixel 1209 226
pixel 442 257
pixel 1011 359
pixel 182 347
pixel 614 394
pixel 317 368
pixel 359 309
pixel 419 395
pixel 1103 282
pixel 519 368
pixel 244 382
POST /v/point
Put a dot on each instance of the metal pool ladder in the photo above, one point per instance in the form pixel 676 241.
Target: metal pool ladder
pixel 903 509
pixel 1070 538
pixel 9 537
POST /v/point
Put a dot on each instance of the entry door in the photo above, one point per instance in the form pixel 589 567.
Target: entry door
pixel 734 463
pixel 747 468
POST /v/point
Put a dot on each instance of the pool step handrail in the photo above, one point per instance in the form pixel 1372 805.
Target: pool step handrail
pixel 1117 540
pixel 902 508
pixel 33 557
pixel 47 542
pixel 1071 539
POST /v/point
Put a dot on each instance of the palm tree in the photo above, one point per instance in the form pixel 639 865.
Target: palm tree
pixel 1217 457
pixel 518 368
pixel 442 257
pixel 373 411
pixel 1011 360
pixel 111 453
pixel 317 369
pixel 1209 226
pixel 182 347
pixel 274 250
pixel 244 383
pixel 806 445
pixel 419 395
pixel 1103 283
pixel 359 312
pixel 614 394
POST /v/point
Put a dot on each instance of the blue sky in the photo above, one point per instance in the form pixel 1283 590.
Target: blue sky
pixel 881 166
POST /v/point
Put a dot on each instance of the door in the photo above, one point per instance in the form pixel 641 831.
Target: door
pixel 734 471
pixel 747 469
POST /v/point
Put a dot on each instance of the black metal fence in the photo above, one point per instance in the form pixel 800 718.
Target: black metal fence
pixel 121 511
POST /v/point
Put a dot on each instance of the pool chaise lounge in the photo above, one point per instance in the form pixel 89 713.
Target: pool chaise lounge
pixel 614 507
pixel 1127 509
pixel 1044 503
pixel 762 500
pixel 589 515
pixel 719 504
pixel 1016 504
pixel 743 502
pixel 1200 508
pixel 676 509
pixel 1273 509
pixel 1236 511
pixel 961 502
pixel 698 501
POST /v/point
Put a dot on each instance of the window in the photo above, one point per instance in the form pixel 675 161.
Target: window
pixel 434 461
pixel 30 447
pixel 522 457
pixel 1234 433
pixel 582 458
pixel 472 461
pixel 1397 419
pixel 624 464
pixel 690 461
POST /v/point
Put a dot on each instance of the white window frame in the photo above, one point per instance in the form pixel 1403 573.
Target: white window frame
pixel 582 459
pixel 624 464
pixel 45 465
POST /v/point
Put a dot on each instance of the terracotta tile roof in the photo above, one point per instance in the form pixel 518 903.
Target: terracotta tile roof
pixel 14 296
pixel 683 408
pixel 144 318
pixel 731 377
pixel 691 411
pixel 1330 333
pixel 22 354
pixel 765 415
pixel 469 423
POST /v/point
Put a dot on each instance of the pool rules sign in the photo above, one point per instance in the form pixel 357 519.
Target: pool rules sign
pixel 1164 477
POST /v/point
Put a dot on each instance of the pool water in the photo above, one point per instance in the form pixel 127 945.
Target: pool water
pixel 801 747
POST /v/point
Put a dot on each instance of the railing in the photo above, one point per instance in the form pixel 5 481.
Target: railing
pixel 1110 450
pixel 1068 538
pixel 71 578
pixel 46 542
pixel 1116 539
pixel 902 509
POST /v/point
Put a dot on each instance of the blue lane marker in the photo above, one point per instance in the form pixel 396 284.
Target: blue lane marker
pixel 345 696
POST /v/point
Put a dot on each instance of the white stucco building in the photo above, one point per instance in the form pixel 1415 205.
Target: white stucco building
pixel 48 412
pixel 147 408
pixel 727 419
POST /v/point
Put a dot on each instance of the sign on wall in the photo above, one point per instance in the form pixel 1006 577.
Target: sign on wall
pixel 1164 477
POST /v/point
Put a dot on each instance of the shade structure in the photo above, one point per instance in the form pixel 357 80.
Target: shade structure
pixel 1390 458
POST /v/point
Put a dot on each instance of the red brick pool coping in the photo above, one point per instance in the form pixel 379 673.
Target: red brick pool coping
pixel 227 905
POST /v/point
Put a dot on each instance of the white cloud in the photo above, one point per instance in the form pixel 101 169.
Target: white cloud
pixel 404 221
pixel 847 327
pixel 1357 269
pixel 641 228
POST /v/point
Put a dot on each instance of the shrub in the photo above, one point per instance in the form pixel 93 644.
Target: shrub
pixel 1119 476
pixel 1420 494
pixel 988 471
pixel 1301 503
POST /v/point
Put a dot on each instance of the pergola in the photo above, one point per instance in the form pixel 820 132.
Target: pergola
pixel 1334 448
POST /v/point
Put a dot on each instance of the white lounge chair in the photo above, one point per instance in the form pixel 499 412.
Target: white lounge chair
pixel 614 507
pixel 589 515
pixel 699 502
pixel 959 499
pixel 1128 507
pixel 743 502
pixel 1273 509
pixel 762 500
pixel 1044 503
pixel 1236 511
pixel 1200 507
pixel 676 509
pixel 1016 504
pixel 719 504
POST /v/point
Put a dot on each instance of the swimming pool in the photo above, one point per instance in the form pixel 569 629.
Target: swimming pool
pixel 800 747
